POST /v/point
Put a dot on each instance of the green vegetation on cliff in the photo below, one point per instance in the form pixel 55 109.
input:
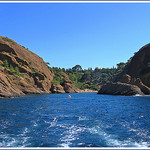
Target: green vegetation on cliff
pixel 58 78
pixel 7 66
pixel 87 78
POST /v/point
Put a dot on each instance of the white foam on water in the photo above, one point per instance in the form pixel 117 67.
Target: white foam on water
pixel 48 122
pixel 143 133
pixel 54 122
pixel 112 141
pixel 70 135
pixel 23 137
pixel 55 119
pixel 13 114
pixel 62 126
pixel 35 124
pixel 141 116
pixel 24 132
pixel 80 144
pixel 5 123
pixel 137 95
pixel 83 118
pixel 64 145
pixel 12 141
pixel 7 143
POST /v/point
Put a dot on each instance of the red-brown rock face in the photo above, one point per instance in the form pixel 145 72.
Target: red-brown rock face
pixel 22 71
pixel 66 87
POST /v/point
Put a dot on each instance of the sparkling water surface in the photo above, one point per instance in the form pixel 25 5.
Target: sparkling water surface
pixel 84 120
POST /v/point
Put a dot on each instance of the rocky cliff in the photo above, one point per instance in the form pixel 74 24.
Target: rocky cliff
pixel 21 71
pixel 136 74
pixel 65 87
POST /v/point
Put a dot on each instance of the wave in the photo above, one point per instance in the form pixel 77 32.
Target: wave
pixel 113 141
pixel 7 141
pixel 64 145
pixel 82 118
pixel 142 133
pixel 34 123
pixel 71 134
pixel 137 95
pixel 52 123
pixel 20 140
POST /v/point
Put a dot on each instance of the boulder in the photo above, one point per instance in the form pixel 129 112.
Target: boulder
pixel 134 81
pixel 119 88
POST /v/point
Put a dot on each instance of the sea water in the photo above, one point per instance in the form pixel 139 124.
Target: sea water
pixel 84 120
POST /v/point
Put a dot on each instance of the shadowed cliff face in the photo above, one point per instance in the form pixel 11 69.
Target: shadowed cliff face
pixel 139 67
pixel 136 73
pixel 22 71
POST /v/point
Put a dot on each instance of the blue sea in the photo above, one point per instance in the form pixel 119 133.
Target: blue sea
pixel 84 120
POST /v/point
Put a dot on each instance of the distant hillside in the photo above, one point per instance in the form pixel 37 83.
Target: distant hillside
pixel 87 78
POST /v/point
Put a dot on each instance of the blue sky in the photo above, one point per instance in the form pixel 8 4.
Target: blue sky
pixel 92 35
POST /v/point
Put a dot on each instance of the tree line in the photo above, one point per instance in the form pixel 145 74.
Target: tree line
pixel 87 78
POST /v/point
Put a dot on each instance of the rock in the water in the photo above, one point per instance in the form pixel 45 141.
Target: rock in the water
pixel 135 81
pixel 119 88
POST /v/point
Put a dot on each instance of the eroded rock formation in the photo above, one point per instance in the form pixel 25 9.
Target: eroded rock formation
pixel 119 88
pixel 66 87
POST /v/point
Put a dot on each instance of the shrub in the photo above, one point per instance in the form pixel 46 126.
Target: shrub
pixel 55 82
pixel 30 62
pixel 17 70
pixel 21 74
pixel 12 68
pixel 5 63
pixel 34 70
pixel 20 63
pixel 11 54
